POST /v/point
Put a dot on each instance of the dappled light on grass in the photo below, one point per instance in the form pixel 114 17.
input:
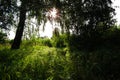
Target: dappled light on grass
pixel 36 62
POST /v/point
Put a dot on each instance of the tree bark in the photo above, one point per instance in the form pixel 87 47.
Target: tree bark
pixel 20 28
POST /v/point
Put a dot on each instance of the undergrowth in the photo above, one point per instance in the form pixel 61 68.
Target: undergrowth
pixel 35 61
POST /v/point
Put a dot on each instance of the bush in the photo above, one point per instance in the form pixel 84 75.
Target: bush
pixel 39 41
pixel 90 43
pixel 59 41
pixel 112 36
pixel 47 42
pixel 100 64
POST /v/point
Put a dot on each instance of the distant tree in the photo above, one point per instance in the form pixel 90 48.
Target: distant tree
pixel 34 8
pixel 87 17
pixel 32 29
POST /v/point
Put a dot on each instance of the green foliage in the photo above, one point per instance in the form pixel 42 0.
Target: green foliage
pixel 7 12
pixel 59 41
pixel 2 37
pixel 37 61
pixel 100 64
pixel 34 62
pixel 87 17
pixel 39 41
pixel 96 58
pixel 107 38
pixel 112 36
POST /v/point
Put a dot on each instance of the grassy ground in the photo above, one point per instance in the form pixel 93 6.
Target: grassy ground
pixel 35 62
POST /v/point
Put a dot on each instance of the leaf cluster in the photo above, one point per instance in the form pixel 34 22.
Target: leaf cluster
pixel 7 12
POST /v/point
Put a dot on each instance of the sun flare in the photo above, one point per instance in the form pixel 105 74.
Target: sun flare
pixel 52 13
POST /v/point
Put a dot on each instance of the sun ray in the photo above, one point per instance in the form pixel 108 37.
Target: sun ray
pixel 52 13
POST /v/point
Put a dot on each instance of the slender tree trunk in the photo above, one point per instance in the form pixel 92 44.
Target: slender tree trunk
pixel 19 32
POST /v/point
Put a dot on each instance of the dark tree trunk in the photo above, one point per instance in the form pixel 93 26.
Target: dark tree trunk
pixel 19 32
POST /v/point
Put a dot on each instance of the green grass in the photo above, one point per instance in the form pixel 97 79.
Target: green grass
pixel 34 63
pixel 39 62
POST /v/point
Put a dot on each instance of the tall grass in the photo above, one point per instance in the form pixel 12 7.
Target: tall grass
pixel 34 63
pixel 100 64
pixel 36 60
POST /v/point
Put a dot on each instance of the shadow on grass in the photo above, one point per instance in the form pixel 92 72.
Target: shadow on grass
pixel 100 64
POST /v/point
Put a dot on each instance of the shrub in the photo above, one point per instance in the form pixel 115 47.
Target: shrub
pixel 46 42
pixel 38 41
pixel 59 41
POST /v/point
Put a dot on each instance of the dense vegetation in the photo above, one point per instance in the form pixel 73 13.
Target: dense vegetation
pixel 62 59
